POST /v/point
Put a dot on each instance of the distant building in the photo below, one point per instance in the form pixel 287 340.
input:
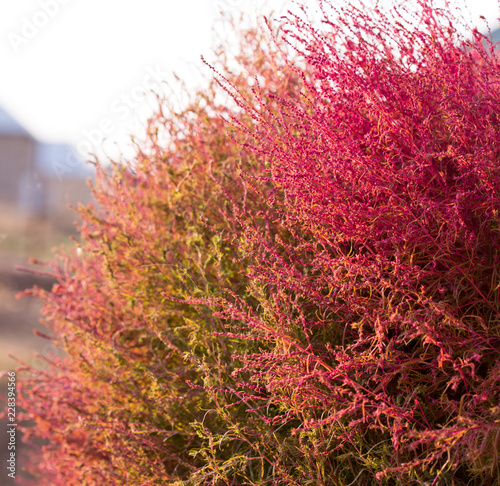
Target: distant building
pixel 495 39
pixel 496 36
pixel 37 179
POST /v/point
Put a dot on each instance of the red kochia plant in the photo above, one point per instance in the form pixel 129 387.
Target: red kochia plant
pixel 305 293
pixel 382 306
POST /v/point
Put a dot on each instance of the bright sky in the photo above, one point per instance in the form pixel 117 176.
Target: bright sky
pixel 75 70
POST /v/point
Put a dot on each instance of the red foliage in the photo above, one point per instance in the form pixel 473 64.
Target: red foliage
pixel 312 298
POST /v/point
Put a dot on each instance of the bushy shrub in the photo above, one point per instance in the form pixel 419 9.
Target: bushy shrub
pixel 300 286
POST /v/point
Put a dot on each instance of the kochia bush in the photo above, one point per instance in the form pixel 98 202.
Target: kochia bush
pixel 301 287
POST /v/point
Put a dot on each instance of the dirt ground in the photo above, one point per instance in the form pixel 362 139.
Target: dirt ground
pixel 21 238
pixel 18 319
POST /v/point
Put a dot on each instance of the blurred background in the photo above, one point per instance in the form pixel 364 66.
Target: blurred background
pixel 79 77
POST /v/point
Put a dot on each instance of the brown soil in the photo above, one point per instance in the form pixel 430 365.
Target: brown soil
pixel 20 239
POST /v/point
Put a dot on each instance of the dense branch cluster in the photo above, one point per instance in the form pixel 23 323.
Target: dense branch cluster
pixel 301 287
